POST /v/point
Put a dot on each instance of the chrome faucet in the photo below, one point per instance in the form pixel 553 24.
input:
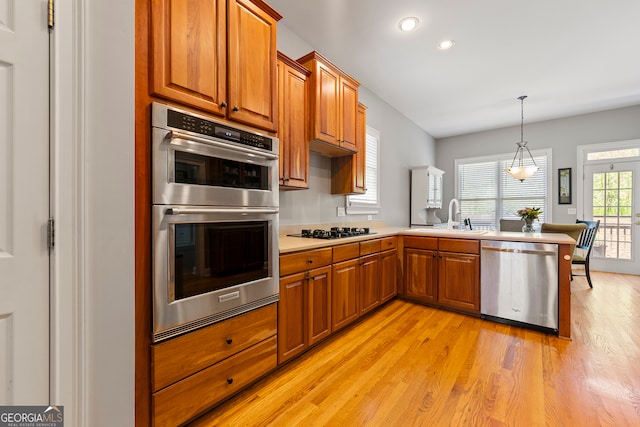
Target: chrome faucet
pixel 451 223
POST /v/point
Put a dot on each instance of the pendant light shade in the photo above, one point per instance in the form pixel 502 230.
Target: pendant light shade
pixel 520 170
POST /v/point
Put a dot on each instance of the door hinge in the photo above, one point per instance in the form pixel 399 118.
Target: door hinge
pixel 50 15
pixel 51 233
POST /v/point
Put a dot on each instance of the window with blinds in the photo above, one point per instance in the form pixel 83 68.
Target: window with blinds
pixel 487 193
pixel 369 202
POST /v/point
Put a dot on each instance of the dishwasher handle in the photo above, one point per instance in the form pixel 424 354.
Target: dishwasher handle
pixel 518 251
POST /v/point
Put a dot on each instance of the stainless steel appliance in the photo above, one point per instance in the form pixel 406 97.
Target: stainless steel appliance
pixel 214 218
pixel 519 283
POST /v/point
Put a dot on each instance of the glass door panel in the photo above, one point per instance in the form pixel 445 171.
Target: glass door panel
pixel 611 196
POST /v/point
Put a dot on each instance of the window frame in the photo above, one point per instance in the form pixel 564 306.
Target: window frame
pixel 500 157
pixel 358 204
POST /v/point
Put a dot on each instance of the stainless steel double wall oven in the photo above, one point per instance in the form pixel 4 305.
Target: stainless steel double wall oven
pixel 214 218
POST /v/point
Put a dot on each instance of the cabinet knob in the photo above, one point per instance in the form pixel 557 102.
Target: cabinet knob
pixel 229 340
pixel 229 380
pixel 236 108
pixel 223 104
pixel 310 261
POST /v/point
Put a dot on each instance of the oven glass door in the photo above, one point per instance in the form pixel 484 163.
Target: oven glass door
pixel 210 264
pixel 212 256
pixel 188 170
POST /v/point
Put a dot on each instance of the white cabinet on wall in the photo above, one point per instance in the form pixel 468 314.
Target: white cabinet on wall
pixel 426 194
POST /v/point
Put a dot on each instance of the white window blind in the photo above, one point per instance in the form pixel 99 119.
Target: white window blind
pixel 487 193
pixel 369 202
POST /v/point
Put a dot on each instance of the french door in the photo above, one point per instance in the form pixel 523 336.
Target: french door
pixel 611 194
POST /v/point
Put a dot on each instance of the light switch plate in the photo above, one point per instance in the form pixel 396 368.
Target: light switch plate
pixel 341 211
pixel 571 211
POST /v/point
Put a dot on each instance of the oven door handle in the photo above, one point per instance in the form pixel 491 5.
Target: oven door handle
pixel 177 136
pixel 189 211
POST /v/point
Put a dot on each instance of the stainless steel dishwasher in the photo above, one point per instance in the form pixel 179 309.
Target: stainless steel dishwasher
pixel 519 283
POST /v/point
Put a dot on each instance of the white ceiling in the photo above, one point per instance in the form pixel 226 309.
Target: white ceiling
pixel 569 56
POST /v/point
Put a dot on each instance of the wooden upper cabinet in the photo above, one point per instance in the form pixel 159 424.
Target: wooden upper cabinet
pixel 253 96
pixel 189 52
pixel 333 101
pixel 292 129
pixel 348 109
pixel 348 173
pixel 227 70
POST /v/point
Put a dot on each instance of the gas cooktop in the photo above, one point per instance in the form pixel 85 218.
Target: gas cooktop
pixel 334 233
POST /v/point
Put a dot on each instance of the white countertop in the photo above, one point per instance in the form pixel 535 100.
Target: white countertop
pixel 293 244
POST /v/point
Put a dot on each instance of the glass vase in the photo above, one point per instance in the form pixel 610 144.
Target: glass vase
pixel 528 225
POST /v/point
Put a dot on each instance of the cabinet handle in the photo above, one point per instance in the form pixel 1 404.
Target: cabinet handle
pixel 310 261
pixel 223 104
pixel 229 340
pixel 236 108
pixel 229 380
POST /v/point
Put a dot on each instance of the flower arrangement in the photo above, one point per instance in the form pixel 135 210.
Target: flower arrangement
pixel 529 213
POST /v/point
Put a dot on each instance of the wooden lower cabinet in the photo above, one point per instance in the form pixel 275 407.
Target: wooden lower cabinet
pixel 344 297
pixel 369 282
pixel 443 271
pixel 346 281
pixel 388 275
pixel 459 281
pixel 192 396
pixel 193 372
pixel 304 311
pixel 421 274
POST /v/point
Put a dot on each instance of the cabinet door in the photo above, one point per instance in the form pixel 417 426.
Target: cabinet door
pixel 369 282
pixel 459 281
pixel 360 158
pixel 325 109
pixel 189 51
pixel 348 110
pixel 319 304
pixel 252 65
pixel 292 317
pixel 421 274
pixel 388 275
pixel 344 303
pixel 292 130
pixel 348 173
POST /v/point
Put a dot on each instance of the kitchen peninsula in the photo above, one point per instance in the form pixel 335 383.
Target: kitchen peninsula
pixel 461 250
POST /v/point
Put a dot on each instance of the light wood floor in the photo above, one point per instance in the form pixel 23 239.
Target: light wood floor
pixel 410 365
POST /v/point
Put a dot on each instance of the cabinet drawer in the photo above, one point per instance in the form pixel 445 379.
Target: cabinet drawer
pixel 421 242
pixel 345 252
pixel 459 245
pixel 303 261
pixel 180 357
pixel 184 400
pixel 388 243
pixel 369 247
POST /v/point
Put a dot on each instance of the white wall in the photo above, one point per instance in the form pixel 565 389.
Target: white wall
pixel 563 136
pixel 109 211
pixel 403 146
pixel 92 358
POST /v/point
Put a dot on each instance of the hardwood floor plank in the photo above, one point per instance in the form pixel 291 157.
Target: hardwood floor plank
pixel 412 365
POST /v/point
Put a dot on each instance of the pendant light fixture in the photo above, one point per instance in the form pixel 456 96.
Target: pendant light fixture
pixel 520 171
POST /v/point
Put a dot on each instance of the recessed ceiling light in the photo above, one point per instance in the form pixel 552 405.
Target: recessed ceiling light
pixel 408 24
pixel 446 44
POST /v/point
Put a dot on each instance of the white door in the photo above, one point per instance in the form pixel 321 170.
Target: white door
pixel 612 195
pixel 24 203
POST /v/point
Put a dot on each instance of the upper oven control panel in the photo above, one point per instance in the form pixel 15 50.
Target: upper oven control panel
pixel 196 124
